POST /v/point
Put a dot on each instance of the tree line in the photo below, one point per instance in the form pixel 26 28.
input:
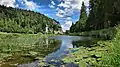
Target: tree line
pixel 16 20
pixel 103 14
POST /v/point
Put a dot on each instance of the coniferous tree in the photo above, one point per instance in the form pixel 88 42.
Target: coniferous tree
pixel 72 28
pixel 80 25
pixel 103 14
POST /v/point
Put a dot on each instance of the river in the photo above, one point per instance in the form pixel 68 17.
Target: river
pixel 54 58
pixel 52 49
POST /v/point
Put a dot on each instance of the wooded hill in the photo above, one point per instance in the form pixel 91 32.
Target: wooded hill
pixel 24 21
pixel 103 14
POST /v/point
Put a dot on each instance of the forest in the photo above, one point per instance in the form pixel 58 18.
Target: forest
pixel 92 41
pixel 102 23
pixel 103 14
pixel 15 20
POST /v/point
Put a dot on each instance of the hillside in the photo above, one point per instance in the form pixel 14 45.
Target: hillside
pixel 13 20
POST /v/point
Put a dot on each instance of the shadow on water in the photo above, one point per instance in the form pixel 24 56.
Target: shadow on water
pixel 52 49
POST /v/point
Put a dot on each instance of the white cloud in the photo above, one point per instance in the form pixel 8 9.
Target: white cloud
pixel 64 5
pixel 70 7
pixel 64 13
pixel 60 13
pixel 30 4
pixel 8 3
pixel 52 5
pixel 66 26
pixel 52 2
pixel 68 18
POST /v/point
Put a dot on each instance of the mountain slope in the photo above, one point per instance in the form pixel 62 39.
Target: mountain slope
pixel 23 21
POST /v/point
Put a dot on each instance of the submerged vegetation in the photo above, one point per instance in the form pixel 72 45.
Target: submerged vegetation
pixel 23 48
pixel 103 53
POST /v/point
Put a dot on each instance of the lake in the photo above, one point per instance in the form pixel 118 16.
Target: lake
pixel 52 49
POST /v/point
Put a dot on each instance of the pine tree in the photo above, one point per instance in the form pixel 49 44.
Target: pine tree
pixel 72 28
pixel 83 14
pixel 80 25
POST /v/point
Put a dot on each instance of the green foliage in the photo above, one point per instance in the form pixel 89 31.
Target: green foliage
pixel 101 54
pixel 80 25
pixel 103 14
pixel 22 21
pixel 103 34
pixel 67 32
pixel 16 48
pixel 103 22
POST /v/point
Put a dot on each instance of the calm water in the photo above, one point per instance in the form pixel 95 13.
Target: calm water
pixel 67 42
pixel 54 56
pixel 52 49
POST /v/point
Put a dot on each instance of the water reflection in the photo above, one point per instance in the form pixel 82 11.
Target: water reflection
pixel 67 42
pixel 52 48
pixel 46 46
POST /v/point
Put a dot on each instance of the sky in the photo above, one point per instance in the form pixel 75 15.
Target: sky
pixel 64 11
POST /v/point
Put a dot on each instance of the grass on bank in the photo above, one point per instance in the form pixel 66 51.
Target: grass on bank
pixel 105 53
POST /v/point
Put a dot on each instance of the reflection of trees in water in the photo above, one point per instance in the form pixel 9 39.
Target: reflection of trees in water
pixel 86 43
pixel 46 46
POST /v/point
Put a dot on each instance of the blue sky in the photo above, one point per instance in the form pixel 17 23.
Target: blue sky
pixel 64 11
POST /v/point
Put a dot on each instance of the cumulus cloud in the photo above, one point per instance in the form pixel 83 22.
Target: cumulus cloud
pixel 52 5
pixel 52 2
pixel 64 5
pixel 66 26
pixel 12 3
pixel 8 3
pixel 60 13
pixel 30 4
pixel 69 7
pixel 68 18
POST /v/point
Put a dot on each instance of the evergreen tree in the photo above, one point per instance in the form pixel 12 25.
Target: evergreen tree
pixel 80 25
pixel 72 28
pixel 83 14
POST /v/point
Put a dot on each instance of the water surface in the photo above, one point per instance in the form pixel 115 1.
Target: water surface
pixel 51 48
pixel 67 43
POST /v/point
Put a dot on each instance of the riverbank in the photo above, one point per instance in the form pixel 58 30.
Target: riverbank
pixel 18 48
pixel 104 53
pixel 104 34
